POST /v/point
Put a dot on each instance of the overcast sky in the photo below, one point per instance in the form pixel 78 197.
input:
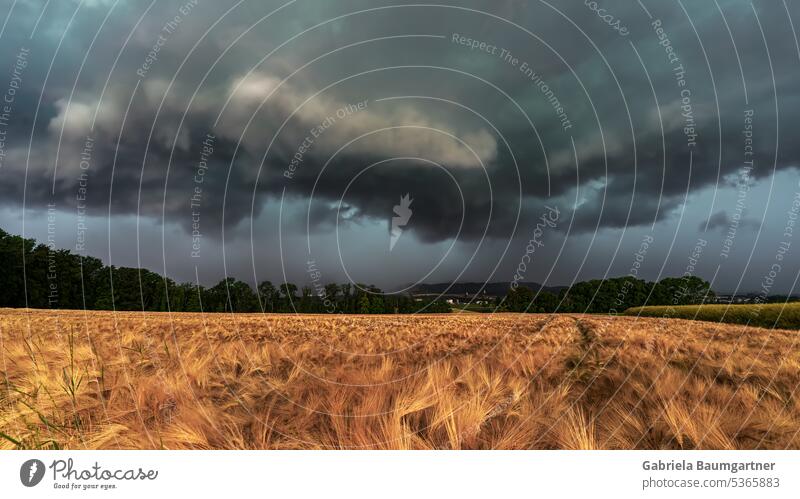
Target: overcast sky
pixel 283 133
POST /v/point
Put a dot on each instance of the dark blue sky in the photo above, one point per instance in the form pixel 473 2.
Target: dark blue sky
pixel 203 139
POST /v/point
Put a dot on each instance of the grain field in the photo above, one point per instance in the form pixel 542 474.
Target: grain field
pixel 103 380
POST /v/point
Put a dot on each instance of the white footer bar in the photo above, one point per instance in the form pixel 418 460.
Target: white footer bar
pixel 400 474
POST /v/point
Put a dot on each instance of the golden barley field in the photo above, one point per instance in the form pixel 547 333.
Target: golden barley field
pixel 108 380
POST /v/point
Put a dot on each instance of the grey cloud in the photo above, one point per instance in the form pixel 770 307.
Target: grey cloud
pixel 722 221
pixel 614 191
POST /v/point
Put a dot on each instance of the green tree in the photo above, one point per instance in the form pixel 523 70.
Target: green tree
pixel 288 297
pixel 269 296
pixel 519 299
pixel 545 302
pixel 331 292
pixel 363 304
pixel 376 304
pixel 687 290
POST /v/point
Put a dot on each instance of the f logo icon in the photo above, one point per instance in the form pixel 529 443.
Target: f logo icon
pixel 31 472
pixel 403 212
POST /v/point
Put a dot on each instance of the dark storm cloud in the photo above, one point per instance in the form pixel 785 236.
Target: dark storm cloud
pixel 626 174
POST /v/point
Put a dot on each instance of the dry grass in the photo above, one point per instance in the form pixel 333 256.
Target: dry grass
pixel 467 381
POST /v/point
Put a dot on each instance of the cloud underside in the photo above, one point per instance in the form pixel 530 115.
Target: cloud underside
pixel 476 140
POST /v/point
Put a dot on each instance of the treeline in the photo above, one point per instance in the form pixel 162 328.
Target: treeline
pixel 35 276
pixel 609 295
